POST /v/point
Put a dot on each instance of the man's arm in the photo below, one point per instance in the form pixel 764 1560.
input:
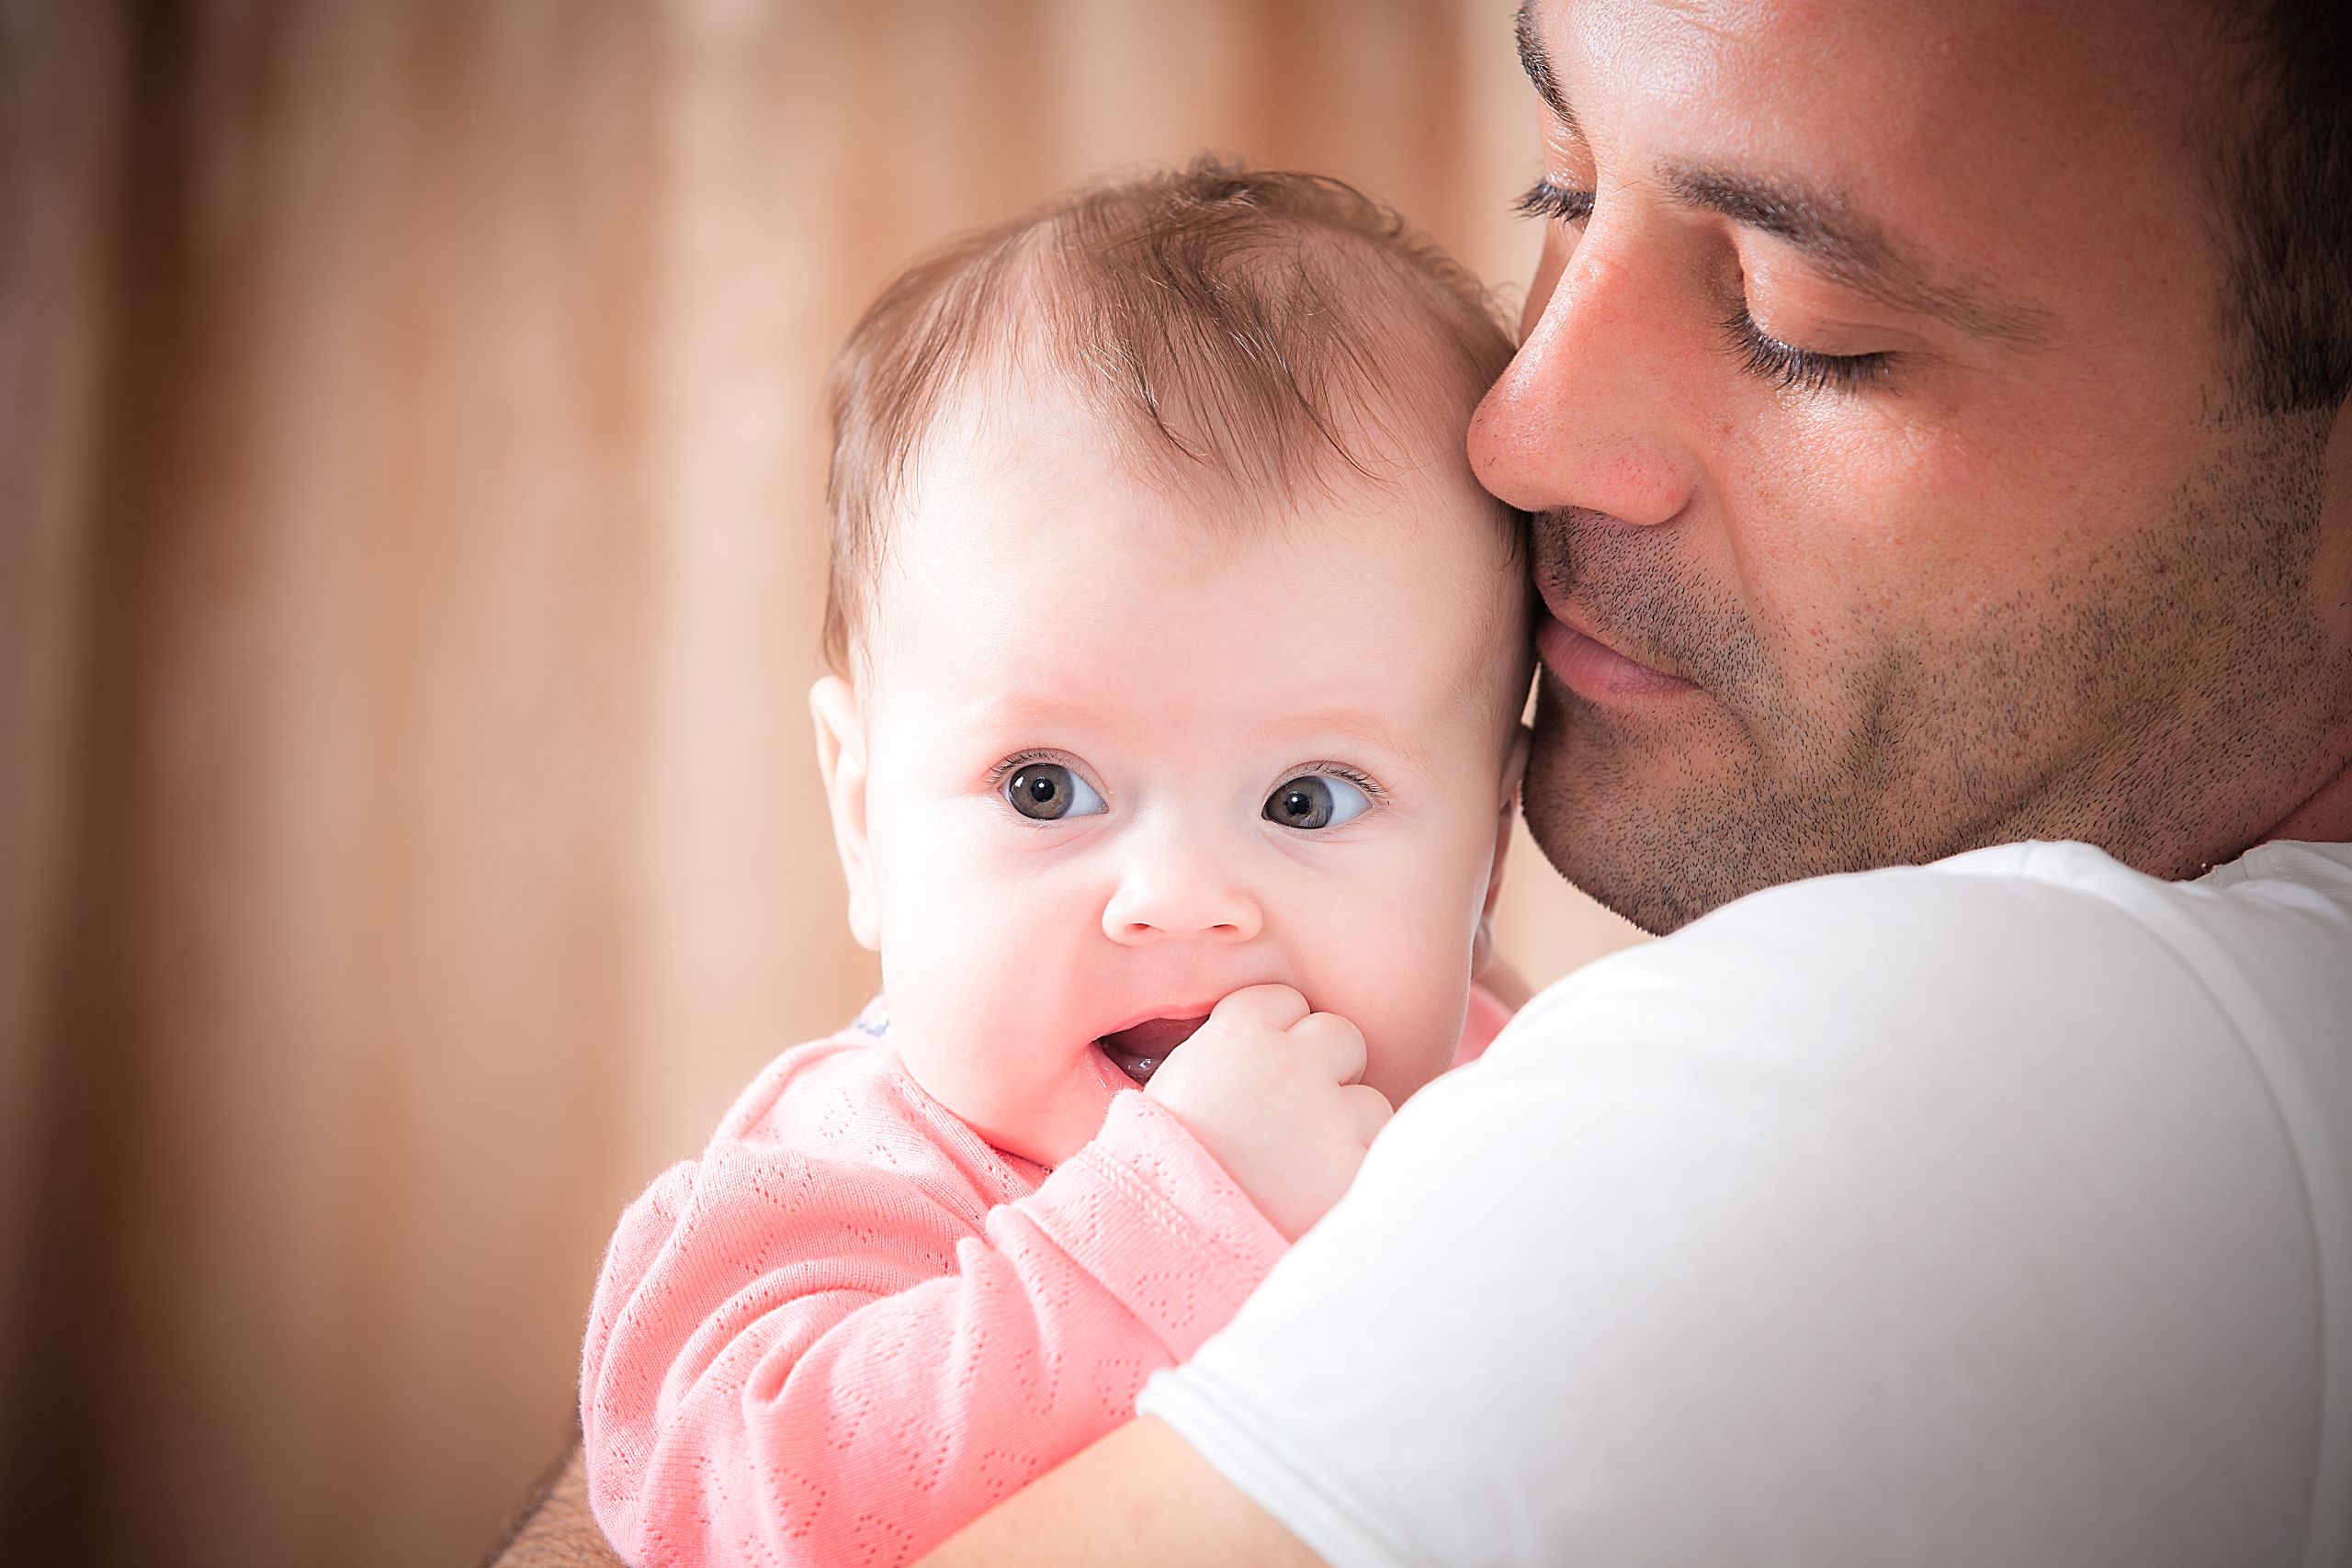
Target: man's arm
pixel 554 1528
pixel 1139 1496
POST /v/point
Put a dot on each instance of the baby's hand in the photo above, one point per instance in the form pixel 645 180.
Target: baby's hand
pixel 1270 1089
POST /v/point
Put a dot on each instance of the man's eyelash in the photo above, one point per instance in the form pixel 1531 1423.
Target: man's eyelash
pixel 1764 356
pixel 1802 368
pixel 1557 203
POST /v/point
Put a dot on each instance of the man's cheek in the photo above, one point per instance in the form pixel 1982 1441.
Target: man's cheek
pixel 1844 540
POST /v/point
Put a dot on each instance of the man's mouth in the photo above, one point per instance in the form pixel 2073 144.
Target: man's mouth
pixel 1139 1049
pixel 1597 671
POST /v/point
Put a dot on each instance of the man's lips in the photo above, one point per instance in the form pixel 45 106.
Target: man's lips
pixel 1594 670
pixel 1139 1049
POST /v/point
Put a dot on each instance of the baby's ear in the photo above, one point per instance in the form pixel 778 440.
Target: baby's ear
pixel 1482 942
pixel 841 756
pixel 1515 766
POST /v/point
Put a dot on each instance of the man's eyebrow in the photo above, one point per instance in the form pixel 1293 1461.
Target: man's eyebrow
pixel 1538 66
pixel 1854 252
pixel 1850 249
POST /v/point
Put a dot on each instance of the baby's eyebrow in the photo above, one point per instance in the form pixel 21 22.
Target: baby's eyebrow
pixel 1368 729
pixel 1012 711
pixel 1018 709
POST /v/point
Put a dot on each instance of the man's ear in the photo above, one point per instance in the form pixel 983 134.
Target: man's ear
pixel 840 757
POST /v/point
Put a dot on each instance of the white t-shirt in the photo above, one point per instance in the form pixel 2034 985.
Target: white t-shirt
pixel 1995 1212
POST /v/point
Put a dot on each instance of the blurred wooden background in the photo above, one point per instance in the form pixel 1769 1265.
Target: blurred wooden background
pixel 410 564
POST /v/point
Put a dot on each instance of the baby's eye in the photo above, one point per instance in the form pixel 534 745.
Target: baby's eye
pixel 1049 792
pixel 1316 800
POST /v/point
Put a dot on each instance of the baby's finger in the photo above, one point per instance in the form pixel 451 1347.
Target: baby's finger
pixel 1367 1109
pixel 1266 1007
pixel 1334 1045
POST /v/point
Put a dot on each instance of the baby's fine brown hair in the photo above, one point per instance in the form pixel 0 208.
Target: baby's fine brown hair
pixel 1228 326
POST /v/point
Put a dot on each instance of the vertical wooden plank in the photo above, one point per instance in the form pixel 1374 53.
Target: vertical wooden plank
pixel 506 535
pixel 61 96
pixel 416 553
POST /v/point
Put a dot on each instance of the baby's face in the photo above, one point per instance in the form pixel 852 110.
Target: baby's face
pixel 1113 761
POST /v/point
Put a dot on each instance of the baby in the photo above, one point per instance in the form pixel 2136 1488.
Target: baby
pixel 1170 744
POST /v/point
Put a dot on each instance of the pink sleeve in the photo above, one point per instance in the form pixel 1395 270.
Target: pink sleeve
pixel 797 1361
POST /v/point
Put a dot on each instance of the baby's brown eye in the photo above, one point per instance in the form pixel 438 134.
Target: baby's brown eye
pixel 1315 800
pixel 1047 792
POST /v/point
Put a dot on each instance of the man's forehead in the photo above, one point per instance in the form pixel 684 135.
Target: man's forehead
pixel 1803 96
pixel 1912 149
pixel 1885 53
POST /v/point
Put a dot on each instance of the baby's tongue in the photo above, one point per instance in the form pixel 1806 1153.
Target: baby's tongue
pixel 1138 1051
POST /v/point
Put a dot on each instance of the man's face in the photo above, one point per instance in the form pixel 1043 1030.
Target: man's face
pixel 1875 410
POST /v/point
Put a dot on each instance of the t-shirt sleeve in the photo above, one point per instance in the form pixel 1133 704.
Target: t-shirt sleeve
pixel 1908 1220
pixel 797 1359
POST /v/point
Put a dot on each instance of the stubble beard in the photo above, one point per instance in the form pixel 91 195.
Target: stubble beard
pixel 2163 699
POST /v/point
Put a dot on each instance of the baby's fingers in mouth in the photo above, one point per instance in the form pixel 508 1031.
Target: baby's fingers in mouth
pixel 1139 1049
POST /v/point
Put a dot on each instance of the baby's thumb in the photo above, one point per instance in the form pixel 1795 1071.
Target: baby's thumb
pixel 1367 1110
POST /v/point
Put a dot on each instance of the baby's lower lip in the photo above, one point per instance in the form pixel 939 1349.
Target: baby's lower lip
pixel 1139 1049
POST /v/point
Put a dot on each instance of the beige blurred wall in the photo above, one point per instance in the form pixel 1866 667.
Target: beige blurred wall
pixel 411 468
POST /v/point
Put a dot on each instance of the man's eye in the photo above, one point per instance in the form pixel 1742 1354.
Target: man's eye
pixel 1048 791
pixel 1316 800
pixel 1802 368
pixel 1558 203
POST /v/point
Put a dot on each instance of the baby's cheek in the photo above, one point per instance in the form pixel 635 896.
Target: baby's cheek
pixel 1404 983
pixel 1421 1046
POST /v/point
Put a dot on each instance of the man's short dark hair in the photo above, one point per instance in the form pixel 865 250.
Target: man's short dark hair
pixel 2286 203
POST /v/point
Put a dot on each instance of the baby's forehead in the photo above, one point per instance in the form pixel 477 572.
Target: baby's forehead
pixel 1035 551
pixel 1025 428
pixel 1037 504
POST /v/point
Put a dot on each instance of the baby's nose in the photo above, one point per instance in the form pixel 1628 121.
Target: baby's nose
pixel 1180 899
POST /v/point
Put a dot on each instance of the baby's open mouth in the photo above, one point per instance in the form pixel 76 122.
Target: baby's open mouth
pixel 1138 1049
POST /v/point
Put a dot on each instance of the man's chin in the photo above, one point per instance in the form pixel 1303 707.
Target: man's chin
pixel 1634 831
pixel 1652 904
pixel 1662 846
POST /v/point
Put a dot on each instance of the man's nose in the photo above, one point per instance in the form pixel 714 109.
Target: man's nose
pixel 1593 410
pixel 1178 892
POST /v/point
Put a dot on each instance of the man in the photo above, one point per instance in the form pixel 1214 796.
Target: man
pixel 1934 416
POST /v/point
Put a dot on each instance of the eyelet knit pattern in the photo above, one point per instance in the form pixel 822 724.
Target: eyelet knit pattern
pixel 851 1325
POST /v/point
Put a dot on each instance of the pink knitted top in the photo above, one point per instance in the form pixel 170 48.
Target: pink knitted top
pixel 852 1326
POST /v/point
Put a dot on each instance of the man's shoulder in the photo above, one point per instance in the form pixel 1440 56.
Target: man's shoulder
pixel 2073 898
pixel 1942 1184
pixel 1945 1029
pixel 2031 940
pixel 2076 882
